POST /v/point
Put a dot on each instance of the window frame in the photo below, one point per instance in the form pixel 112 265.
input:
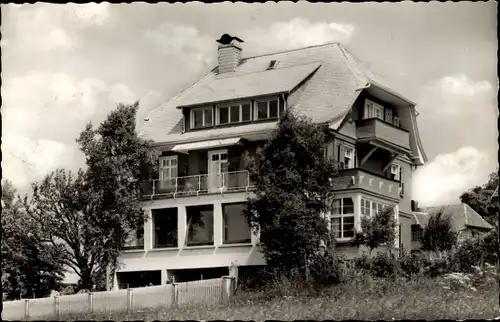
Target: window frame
pixel 168 167
pixel 352 159
pixel 373 206
pixel 268 101
pixel 416 233
pixel 192 119
pixel 225 226
pixel 342 216
pixel 187 241
pixel 176 229
pixel 240 109
pixel 370 107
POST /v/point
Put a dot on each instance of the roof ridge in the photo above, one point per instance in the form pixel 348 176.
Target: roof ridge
pixel 291 50
pixel 238 74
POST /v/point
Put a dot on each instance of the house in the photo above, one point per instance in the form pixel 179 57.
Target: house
pixel 464 220
pixel 196 227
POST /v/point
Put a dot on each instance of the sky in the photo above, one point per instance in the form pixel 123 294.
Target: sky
pixel 67 65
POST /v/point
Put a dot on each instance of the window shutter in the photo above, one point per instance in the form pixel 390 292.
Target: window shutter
pixel 341 156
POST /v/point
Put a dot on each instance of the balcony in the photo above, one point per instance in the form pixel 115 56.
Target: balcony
pixel 365 180
pixel 377 131
pixel 235 181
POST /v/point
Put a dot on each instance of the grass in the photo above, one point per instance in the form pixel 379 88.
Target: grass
pixel 363 298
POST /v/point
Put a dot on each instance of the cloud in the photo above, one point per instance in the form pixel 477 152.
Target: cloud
pixel 296 33
pixel 43 114
pixel 465 112
pixel 445 178
pixel 45 27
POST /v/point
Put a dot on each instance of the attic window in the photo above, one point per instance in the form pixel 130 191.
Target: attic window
pixel 201 117
pixel 269 109
pixel 272 64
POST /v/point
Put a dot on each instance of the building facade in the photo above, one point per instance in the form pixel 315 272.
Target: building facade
pixel 196 227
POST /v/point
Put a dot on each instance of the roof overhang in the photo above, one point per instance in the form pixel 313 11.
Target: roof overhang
pixel 186 147
pixel 388 94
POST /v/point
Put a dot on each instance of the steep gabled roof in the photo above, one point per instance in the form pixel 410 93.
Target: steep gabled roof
pixel 462 216
pixel 330 79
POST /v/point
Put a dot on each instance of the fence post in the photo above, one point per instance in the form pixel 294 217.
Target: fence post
pixel 26 310
pixel 129 300
pixel 56 307
pixel 91 303
pixel 227 286
pixel 174 293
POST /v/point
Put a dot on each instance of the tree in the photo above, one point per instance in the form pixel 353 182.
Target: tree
pixel 292 180
pixel 438 234
pixel 479 199
pixel 90 215
pixel 117 161
pixel 30 267
pixel 376 231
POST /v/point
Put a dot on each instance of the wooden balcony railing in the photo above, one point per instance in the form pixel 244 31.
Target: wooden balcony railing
pixel 197 184
pixel 375 129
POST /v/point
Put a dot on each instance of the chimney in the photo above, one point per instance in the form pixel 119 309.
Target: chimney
pixel 229 53
pixel 229 58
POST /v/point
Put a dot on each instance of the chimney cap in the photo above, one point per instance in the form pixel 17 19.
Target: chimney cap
pixel 227 39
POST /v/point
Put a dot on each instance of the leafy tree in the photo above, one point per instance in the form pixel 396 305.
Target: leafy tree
pixel 438 234
pixel 90 215
pixel 479 199
pixel 30 267
pixel 376 231
pixel 292 180
pixel 117 161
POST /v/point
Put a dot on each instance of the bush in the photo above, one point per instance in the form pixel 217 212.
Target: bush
pixel 363 263
pixel 490 246
pixel 467 254
pixel 438 264
pixel 438 234
pixel 413 264
pixel 328 269
pixel 384 265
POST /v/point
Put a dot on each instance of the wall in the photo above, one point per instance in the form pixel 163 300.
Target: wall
pixel 406 221
pixel 405 204
pixel 181 257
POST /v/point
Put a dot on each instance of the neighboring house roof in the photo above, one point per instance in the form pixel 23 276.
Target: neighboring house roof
pixel 462 216
pixel 324 82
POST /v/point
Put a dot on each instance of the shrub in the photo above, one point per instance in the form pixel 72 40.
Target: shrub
pixel 490 246
pixel 467 254
pixel 363 263
pixel 328 269
pixel 438 264
pixel 384 265
pixel 413 264
pixel 376 231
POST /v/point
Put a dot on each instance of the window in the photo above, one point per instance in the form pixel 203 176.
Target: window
pixel 416 233
pixel 269 109
pixel 349 158
pixel 135 239
pixel 165 227
pixel 236 227
pixel 201 117
pixel 370 207
pixel 234 113
pixel 388 115
pixel 200 225
pixel 168 167
pixel 397 172
pixel 396 121
pixel 342 219
pixel 373 110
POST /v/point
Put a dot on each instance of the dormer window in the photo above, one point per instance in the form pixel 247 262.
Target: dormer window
pixel 201 117
pixel 268 109
pixel 234 113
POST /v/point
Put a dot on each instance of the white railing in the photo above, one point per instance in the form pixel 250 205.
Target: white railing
pixel 210 291
pixel 198 184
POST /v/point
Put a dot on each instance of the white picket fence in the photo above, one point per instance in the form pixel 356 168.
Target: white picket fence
pixel 209 291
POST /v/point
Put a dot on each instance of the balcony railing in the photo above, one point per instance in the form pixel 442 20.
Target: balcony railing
pixel 198 184
pixel 376 129
pixel 362 179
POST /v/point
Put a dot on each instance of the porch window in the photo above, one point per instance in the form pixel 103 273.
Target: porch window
pixel 200 225
pixel 201 117
pixel 236 227
pixel 269 109
pixel 416 233
pixel 342 219
pixel 371 208
pixel 165 227
pixel 365 207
